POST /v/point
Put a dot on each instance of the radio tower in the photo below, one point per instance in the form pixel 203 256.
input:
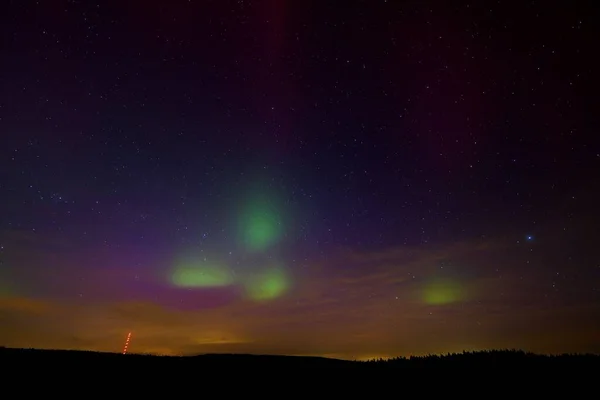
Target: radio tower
pixel 127 343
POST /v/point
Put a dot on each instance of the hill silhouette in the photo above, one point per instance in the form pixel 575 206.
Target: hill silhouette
pixel 505 359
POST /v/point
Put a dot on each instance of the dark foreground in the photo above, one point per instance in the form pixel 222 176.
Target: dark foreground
pixel 82 375
pixel 486 359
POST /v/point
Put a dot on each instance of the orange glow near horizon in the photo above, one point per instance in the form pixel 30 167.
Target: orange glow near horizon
pixel 337 313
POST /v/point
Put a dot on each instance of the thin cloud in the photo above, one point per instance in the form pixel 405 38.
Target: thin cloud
pixel 329 311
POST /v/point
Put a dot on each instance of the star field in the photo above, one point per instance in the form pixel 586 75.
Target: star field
pixel 296 177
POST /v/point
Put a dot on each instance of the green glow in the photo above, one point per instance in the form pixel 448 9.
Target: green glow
pixel 442 292
pixel 268 285
pixel 260 225
pixel 201 276
pixel 5 288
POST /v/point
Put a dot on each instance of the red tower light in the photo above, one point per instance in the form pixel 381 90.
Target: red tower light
pixel 127 343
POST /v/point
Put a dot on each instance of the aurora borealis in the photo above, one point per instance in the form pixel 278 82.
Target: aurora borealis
pixel 260 225
pixel 288 177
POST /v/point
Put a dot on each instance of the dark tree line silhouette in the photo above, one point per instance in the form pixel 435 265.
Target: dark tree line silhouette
pixel 485 359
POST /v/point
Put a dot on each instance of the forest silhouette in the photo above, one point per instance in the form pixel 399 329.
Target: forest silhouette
pixel 480 359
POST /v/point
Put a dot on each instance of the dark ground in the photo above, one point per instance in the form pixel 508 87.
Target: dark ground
pixel 493 374
pixel 486 359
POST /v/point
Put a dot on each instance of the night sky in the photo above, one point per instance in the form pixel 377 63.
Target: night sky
pixel 350 179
